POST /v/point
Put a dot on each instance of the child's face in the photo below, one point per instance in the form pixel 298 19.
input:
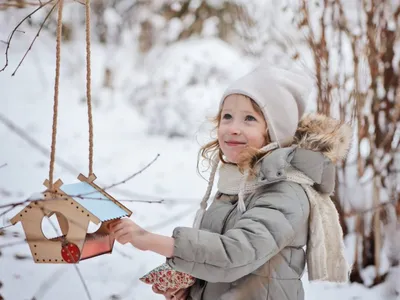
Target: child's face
pixel 240 126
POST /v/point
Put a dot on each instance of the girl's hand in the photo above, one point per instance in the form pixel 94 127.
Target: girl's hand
pixel 127 231
pixel 172 294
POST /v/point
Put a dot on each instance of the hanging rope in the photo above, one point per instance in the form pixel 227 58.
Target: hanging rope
pixel 56 88
pixel 88 86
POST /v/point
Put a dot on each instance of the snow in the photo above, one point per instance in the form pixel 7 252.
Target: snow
pixel 35 196
pixel 168 93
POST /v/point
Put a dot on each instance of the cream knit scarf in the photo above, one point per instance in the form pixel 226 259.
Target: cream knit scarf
pixel 231 179
pixel 325 248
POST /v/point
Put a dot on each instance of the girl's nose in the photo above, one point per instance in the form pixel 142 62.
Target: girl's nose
pixel 234 129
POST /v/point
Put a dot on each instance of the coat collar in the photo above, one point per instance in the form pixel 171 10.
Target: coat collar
pixel 315 165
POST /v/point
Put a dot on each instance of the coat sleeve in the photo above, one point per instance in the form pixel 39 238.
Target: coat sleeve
pixel 260 233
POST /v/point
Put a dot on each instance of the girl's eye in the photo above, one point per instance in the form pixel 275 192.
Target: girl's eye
pixel 250 118
pixel 227 116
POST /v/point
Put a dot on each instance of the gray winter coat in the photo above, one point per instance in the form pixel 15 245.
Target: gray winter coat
pixel 259 255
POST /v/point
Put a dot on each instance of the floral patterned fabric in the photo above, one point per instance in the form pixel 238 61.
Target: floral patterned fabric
pixel 164 277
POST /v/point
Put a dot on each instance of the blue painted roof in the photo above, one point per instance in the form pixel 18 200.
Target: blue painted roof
pixel 94 201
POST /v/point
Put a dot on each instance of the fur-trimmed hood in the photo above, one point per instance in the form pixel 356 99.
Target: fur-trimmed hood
pixel 319 143
pixel 323 134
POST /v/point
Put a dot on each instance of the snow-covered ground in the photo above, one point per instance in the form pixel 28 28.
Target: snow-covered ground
pixel 187 81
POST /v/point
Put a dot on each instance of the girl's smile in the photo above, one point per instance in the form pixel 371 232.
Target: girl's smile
pixel 235 143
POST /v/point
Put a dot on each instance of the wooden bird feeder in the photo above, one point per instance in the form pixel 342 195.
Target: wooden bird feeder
pixel 75 205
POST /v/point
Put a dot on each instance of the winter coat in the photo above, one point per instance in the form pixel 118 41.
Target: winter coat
pixel 259 254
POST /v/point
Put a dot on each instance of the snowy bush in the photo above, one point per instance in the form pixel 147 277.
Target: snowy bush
pixel 184 84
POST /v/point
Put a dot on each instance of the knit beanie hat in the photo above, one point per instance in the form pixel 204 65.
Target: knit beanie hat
pixel 282 96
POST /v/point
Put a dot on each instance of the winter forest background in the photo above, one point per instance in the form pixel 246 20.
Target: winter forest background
pixel 158 70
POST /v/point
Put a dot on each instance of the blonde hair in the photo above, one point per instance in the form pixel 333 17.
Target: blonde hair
pixel 247 158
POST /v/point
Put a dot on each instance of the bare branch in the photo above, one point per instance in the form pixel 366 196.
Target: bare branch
pixel 33 143
pixel 126 293
pixel 11 206
pixel 18 4
pixel 3 165
pixel 84 196
pixel 24 4
pixel 83 282
pixel 47 284
pixel 34 39
pixel 64 241
pixel 372 209
pixel 9 245
pixel 123 254
pixel 4 227
pixel 18 25
pixel 170 220
pixel 133 175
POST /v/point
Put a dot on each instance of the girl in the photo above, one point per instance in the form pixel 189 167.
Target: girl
pixel 275 177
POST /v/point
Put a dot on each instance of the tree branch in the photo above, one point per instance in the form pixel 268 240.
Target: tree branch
pixel 16 29
pixel 11 206
pixel 18 4
pixel 34 39
pixel 83 282
pixel 64 240
pixel 372 209
pixel 133 175
pixel 70 168
pixel 47 284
